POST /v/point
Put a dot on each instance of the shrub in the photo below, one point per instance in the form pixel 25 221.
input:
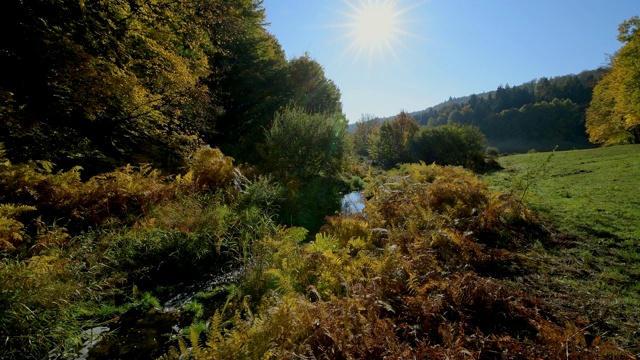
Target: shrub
pixel 462 145
pixel 211 169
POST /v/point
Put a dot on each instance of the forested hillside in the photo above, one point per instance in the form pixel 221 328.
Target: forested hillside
pixel 537 115
pixel 104 83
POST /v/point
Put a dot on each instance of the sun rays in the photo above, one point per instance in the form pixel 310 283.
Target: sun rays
pixel 375 29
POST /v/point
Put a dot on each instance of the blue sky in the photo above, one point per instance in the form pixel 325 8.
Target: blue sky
pixel 448 47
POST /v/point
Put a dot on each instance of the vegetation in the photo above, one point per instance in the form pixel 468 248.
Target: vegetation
pixel 592 196
pixel 614 115
pixel 103 84
pixel 424 273
pixel 439 265
pixel 84 245
pixel 541 114
pixel 308 165
pixel 403 140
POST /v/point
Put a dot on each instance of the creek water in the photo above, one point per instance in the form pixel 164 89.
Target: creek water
pixel 146 334
pixel 352 203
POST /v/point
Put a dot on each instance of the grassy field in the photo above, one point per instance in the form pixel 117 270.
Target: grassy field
pixel 591 199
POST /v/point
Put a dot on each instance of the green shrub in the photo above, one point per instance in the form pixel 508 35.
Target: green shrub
pixel 462 145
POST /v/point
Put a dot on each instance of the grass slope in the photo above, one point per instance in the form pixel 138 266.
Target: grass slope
pixel 594 196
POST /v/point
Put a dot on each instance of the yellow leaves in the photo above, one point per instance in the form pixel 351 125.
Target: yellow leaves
pixel 211 169
pixel 284 283
pixel 11 230
pixel 324 242
pixel 215 333
pixel 614 112
pixel 413 285
pixel 346 228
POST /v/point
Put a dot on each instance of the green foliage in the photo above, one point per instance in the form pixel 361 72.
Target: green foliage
pixel 362 135
pixel 310 89
pixel 412 278
pixel 532 174
pixel 194 309
pixel 103 84
pixel 307 154
pixel 589 195
pixel 132 70
pixel 389 145
pixel 450 145
pixel 175 230
pixel 64 198
pixel 210 169
pixel 11 230
pixel 303 145
pixel 41 304
pixel 539 114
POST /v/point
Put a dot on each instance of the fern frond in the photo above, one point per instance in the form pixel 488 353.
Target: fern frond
pixel 413 284
pixel 195 342
pixel 284 283
pixel 184 349
pixel 11 210
pixel 215 333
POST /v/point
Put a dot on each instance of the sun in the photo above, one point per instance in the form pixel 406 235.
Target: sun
pixel 375 28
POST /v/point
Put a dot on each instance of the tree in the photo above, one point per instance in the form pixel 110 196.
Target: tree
pixel 544 90
pixel 248 76
pixel 390 145
pixel 306 153
pixel 309 87
pixel 450 145
pixel 302 145
pixel 614 114
pixel 102 83
pixel 361 136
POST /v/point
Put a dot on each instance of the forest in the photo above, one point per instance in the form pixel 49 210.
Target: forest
pixel 541 114
pixel 163 152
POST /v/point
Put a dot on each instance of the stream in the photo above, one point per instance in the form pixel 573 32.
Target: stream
pixel 140 334
pixel 146 334
pixel 352 203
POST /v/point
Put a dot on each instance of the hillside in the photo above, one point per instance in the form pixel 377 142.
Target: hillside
pixel 591 195
pixel 540 114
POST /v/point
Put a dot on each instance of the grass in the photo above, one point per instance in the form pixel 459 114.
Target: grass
pixel 591 198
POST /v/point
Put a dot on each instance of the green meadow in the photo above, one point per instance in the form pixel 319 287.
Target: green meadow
pixel 591 201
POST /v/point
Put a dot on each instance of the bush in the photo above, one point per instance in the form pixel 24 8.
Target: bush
pixel 211 169
pixel 461 145
pixel 307 154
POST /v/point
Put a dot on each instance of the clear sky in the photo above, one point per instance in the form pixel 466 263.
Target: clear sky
pixel 419 52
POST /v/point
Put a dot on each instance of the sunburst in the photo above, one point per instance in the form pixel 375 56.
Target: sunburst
pixel 375 28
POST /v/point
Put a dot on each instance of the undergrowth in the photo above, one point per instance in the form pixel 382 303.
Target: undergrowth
pixel 75 254
pixel 418 275
pixel 424 272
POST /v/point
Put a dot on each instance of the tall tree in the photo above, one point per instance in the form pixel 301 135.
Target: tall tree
pixel 307 152
pixel 614 114
pixel 101 82
pixel 361 136
pixel 390 145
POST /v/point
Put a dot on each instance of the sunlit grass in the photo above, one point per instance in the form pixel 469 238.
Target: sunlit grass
pixel 593 195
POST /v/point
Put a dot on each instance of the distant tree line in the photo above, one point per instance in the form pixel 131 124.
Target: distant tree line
pixel 540 114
